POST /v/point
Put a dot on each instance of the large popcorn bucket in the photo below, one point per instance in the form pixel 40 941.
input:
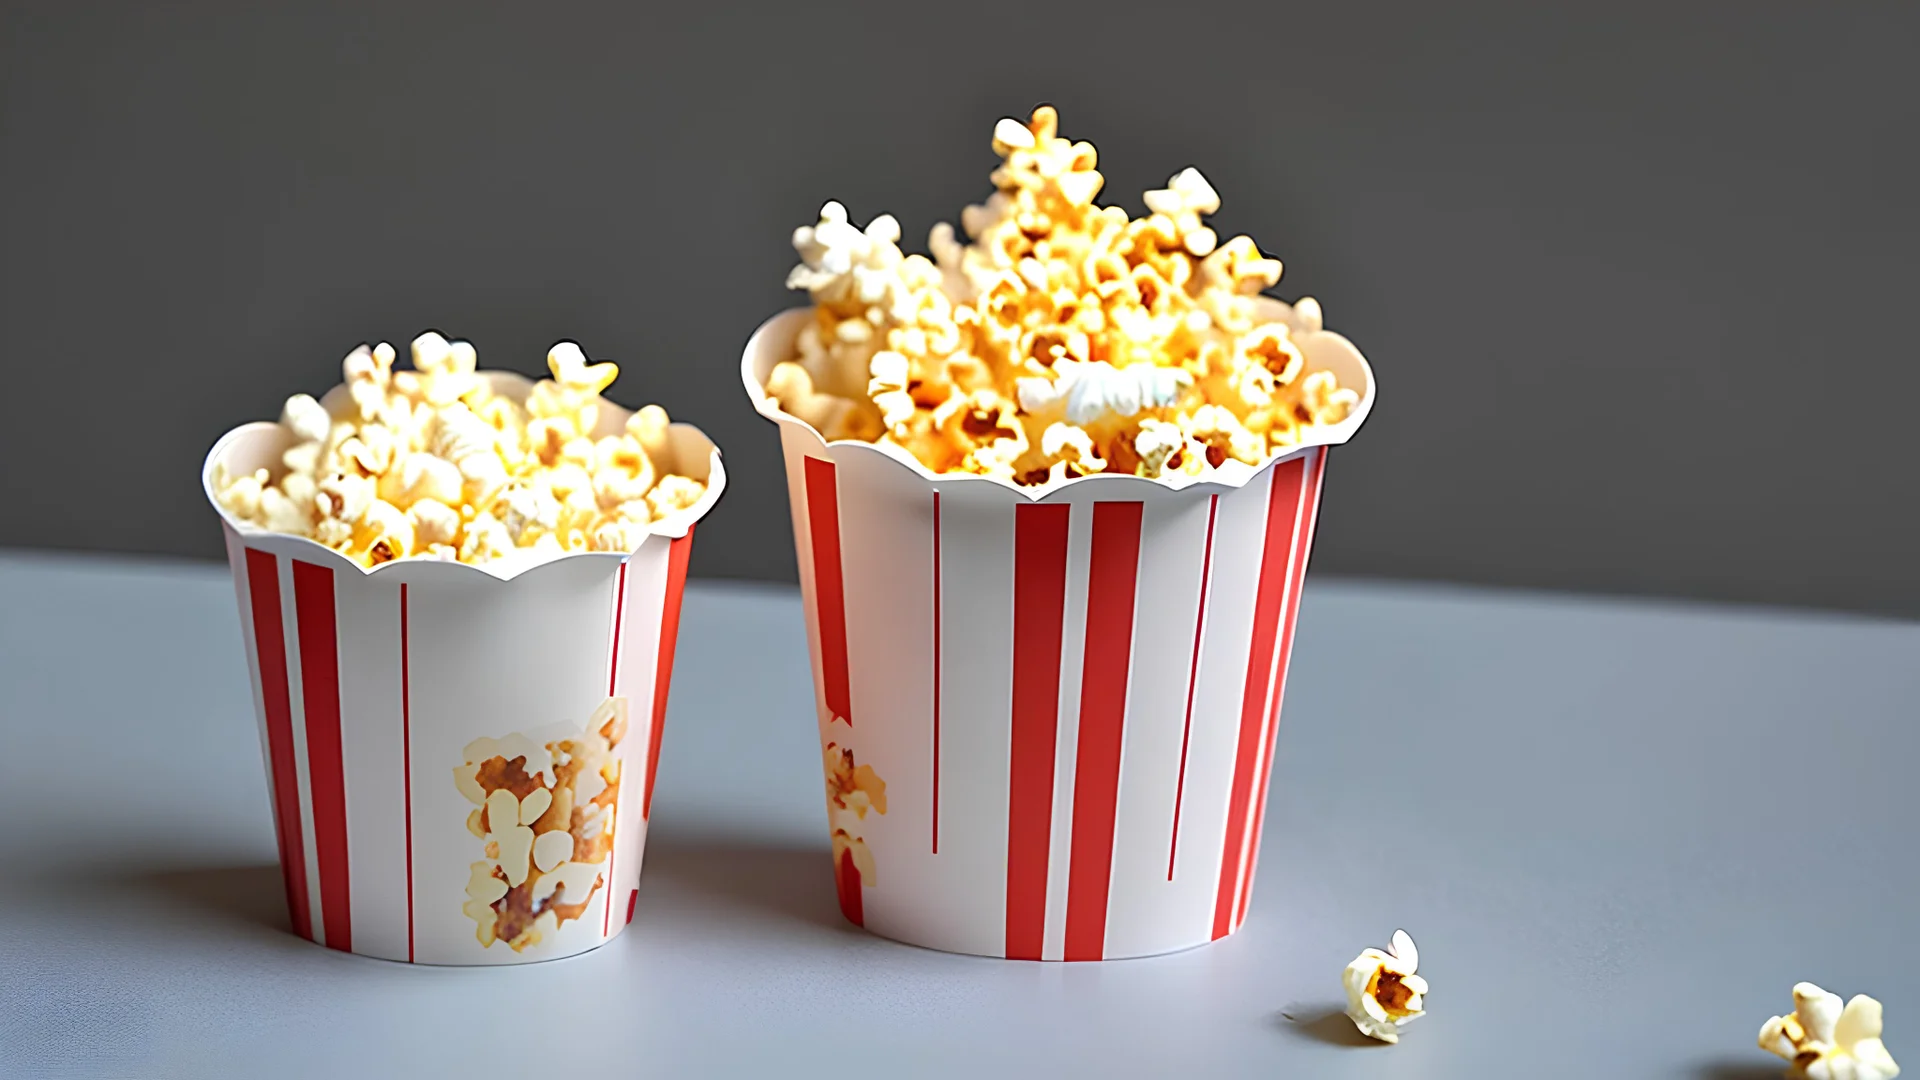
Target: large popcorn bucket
pixel 1048 715
pixel 461 758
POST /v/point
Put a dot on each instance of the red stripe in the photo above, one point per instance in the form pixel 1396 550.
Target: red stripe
pixel 1309 513
pixel 829 598
pixel 936 673
pixel 1040 598
pixel 406 757
pixel 632 899
pixel 1112 578
pixel 619 609
pixel 1283 498
pixel 320 693
pixel 663 671
pixel 270 645
pixel 1193 675
pixel 846 881
pixel 613 682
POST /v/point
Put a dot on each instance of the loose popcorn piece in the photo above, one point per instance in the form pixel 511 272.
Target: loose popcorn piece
pixel 431 463
pixel 547 801
pixel 851 792
pixel 1383 993
pixel 1823 1041
pixel 1061 339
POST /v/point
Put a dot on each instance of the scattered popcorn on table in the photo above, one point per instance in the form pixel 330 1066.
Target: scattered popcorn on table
pixel 432 463
pixel 546 802
pixel 1383 993
pixel 1823 1041
pixel 1061 339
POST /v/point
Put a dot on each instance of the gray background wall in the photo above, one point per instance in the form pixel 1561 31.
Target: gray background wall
pixel 1638 280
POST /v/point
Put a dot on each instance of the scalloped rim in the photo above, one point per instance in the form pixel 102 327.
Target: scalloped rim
pixel 510 568
pixel 1228 477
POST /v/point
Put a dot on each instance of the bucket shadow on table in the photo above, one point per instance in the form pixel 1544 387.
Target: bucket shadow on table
pixel 775 883
pixel 1739 1069
pixel 1322 1024
pixel 249 894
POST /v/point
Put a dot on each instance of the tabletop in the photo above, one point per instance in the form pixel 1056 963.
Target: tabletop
pixel 1620 831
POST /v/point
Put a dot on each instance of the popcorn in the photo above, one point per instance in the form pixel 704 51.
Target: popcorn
pixel 1321 397
pixel 1826 1042
pixel 1383 993
pixel 383 533
pixel 620 535
pixel 368 373
pixel 434 522
pixel 1216 428
pixel 432 463
pixel 422 475
pixel 983 427
pixel 547 801
pixel 1071 448
pixel 673 494
pixel 1054 310
pixel 1183 201
pixel 1094 391
pixel 852 791
pixel 306 419
pixel 484 539
pixel 1162 449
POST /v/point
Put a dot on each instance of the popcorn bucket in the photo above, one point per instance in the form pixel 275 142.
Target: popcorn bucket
pixel 1048 714
pixel 461 758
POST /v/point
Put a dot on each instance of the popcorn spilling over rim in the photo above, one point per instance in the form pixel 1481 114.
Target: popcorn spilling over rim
pixel 1824 1041
pixel 1383 991
pixel 1063 340
pixel 447 463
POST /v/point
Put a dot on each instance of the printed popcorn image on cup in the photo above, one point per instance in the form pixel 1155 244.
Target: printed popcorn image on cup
pixel 1054 487
pixel 545 804
pixel 852 792
pixel 453 568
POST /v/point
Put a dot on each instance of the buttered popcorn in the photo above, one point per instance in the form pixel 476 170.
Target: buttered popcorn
pixel 1062 339
pixel 434 463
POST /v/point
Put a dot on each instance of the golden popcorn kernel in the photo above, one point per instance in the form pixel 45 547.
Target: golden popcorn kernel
pixel 1269 347
pixel 1384 993
pixel 1824 1040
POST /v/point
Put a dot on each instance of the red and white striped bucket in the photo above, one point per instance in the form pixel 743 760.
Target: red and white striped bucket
pixel 374 689
pixel 1070 693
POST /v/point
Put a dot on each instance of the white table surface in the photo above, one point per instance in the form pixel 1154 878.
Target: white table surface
pixel 1619 831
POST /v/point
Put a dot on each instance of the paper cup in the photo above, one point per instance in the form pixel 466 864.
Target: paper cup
pixel 1070 693
pixel 393 703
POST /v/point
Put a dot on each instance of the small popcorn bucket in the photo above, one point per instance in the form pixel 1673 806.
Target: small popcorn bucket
pixel 1048 715
pixel 461 758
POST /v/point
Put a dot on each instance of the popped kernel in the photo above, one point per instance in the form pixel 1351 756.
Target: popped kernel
pixel 1163 449
pixel 1824 1041
pixel 432 463
pixel 1383 991
pixel 1053 310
